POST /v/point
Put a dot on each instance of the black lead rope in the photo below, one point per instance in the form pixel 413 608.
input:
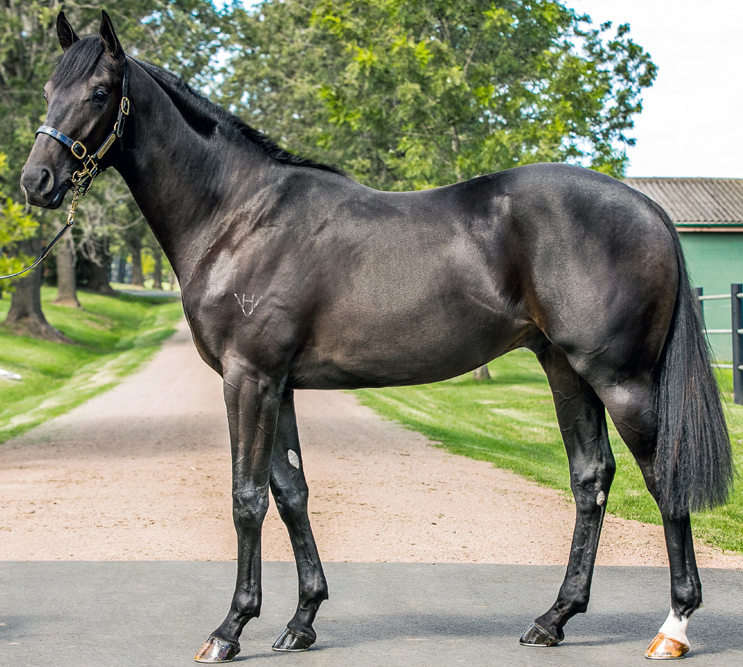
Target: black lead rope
pixel 83 179
pixel 47 250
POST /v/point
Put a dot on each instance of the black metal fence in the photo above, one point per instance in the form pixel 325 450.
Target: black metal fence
pixel 735 331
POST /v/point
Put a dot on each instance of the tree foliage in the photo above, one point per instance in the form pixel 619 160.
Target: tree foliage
pixel 417 93
pixel 15 226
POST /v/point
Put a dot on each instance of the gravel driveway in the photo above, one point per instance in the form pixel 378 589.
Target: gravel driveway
pixel 136 474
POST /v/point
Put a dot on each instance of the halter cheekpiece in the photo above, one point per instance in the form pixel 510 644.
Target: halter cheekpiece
pixel 83 178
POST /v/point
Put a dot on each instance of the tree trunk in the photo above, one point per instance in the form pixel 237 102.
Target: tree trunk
pixel 158 274
pixel 97 266
pixel 66 282
pixel 25 316
pixel 134 243
pixel 98 280
pixel 481 373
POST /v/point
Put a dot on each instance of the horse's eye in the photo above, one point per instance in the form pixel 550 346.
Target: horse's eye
pixel 100 96
pixel 45 97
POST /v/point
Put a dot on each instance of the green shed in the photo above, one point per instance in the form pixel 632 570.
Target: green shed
pixel 708 214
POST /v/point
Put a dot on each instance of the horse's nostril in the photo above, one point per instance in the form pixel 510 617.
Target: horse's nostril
pixel 38 183
pixel 45 182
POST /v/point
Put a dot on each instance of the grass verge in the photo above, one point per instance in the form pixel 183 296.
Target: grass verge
pixel 510 421
pixel 115 337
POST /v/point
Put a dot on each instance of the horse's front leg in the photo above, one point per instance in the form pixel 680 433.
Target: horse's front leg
pixel 290 491
pixel 252 413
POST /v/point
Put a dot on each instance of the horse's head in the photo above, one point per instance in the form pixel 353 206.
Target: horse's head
pixel 83 99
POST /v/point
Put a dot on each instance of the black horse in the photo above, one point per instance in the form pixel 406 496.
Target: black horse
pixel 294 276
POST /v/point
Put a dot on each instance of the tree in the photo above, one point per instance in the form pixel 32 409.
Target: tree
pixel 16 230
pixel 66 282
pixel 15 226
pixel 416 94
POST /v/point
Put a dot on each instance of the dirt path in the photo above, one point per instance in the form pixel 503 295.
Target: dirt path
pixel 142 473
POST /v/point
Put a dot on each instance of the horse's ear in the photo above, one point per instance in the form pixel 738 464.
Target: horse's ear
pixel 110 40
pixel 67 36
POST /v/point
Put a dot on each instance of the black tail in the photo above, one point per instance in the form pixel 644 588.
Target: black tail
pixel 693 459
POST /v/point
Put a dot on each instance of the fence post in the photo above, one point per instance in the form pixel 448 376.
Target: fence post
pixel 699 293
pixel 737 318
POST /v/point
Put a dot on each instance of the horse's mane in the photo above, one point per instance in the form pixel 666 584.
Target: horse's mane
pixel 205 116
pixel 81 60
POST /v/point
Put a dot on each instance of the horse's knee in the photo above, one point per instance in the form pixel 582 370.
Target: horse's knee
pixel 249 507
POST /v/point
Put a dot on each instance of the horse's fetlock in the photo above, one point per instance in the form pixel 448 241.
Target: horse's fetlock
pixel 686 598
pixel 247 605
pixel 580 604
pixel 316 593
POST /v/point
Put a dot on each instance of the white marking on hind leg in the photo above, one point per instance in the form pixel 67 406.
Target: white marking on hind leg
pixel 675 628
pixel 293 458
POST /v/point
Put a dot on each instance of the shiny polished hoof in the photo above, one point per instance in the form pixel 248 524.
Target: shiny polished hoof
pixel 217 650
pixel 664 647
pixel 536 635
pixel 293 641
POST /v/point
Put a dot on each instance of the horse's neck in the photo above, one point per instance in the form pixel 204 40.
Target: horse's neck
pixel 182 183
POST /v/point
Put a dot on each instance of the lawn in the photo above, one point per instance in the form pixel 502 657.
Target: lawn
pixel 114 337
pixel 510 421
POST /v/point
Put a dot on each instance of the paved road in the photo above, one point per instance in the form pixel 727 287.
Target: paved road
pixel 112 614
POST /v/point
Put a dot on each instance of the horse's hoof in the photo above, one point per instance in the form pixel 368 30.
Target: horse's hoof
pixel 293 641
pixel 217 650
pixel 664 647
pixel 536 635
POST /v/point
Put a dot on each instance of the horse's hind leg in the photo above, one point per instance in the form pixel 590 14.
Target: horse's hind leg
pixel 289 489
pixel 582 421
pixel 633 412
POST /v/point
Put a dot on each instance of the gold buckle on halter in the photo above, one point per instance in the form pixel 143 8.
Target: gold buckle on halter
pixel 81 151
pixel 124 105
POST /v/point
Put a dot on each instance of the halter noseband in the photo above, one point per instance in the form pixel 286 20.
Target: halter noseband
pixel 83 179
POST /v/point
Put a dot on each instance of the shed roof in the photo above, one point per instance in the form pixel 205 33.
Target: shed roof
pixel 696 202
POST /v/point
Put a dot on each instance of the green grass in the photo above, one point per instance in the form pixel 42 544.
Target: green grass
pixel 115 336
pixel 510 421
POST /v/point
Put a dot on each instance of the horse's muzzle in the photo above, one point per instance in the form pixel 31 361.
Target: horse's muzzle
pixel 41 188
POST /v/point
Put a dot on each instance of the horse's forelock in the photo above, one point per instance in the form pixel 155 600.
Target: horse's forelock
pixel 78 62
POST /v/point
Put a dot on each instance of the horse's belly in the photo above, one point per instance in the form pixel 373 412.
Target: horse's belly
pixel 387 351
